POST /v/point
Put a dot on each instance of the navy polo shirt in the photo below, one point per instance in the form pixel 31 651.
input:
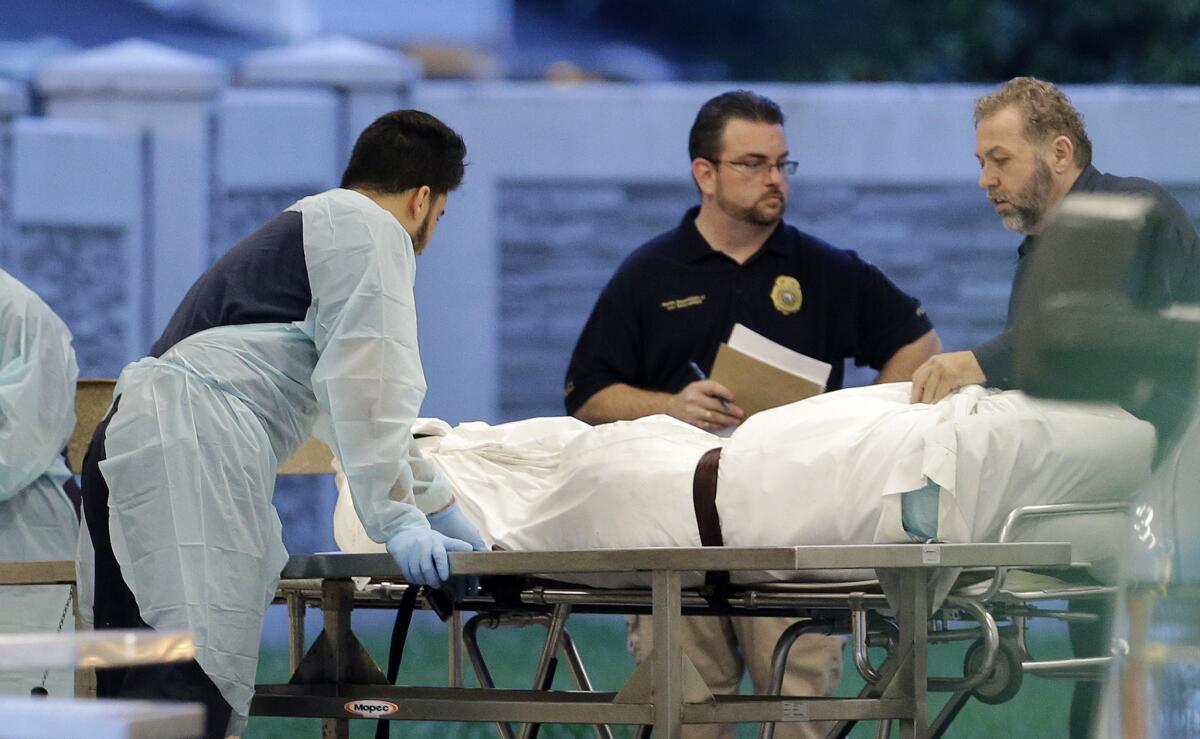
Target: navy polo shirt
pixel 262 279
pixel 675 299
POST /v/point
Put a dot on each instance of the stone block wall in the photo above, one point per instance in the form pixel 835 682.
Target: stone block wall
pixel 72 230
pixel 561 240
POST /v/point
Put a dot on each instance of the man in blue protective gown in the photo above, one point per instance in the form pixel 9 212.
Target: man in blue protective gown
pixel 37 516
pixel 307 326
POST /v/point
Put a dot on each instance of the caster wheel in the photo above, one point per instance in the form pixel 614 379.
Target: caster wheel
pixel 1004 682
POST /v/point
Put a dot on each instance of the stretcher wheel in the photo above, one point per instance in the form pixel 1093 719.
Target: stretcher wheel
pixel 1005 680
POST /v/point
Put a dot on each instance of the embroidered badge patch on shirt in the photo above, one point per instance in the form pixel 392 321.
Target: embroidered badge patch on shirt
pixel 786 295
pixel 688 302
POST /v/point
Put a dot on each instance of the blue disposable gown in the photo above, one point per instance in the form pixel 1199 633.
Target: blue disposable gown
pixel 193 449
pixel 37 414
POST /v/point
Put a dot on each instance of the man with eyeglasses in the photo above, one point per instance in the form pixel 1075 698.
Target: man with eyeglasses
pixel 657 325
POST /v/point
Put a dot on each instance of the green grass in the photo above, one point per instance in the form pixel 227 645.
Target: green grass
pixel 1039 710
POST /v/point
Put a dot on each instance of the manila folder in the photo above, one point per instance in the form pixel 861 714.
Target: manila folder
pixel 756 385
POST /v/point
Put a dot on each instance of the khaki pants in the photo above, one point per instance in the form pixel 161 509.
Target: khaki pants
pixel 721 647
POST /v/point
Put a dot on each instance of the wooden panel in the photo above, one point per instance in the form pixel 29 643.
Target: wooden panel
pixel 43 572
pixel 93 396
pixel 314 458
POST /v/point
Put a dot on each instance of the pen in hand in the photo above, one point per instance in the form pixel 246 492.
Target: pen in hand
pixel 699 373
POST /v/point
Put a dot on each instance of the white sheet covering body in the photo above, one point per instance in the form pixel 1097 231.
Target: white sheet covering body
pixel 37 414
pixel 193 448
pixel 826 470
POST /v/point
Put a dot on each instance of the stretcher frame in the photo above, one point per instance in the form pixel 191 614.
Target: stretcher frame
pixel 1018 601
pixel 666 691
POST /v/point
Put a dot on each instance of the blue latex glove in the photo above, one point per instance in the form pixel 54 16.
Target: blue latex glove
pixel 451 522
pixel 421 554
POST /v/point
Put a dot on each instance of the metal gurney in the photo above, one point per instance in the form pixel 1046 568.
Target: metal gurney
pixel 475 460
pixel 338 681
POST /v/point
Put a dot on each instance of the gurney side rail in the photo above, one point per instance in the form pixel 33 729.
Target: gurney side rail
pixel 1022 514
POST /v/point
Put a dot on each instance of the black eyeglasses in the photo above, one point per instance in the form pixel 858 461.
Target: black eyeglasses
pixel 760 166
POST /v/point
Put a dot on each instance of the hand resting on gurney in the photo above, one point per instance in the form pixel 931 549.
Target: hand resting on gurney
pixel 423 554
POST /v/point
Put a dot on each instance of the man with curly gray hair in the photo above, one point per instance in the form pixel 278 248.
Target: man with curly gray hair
pixel 1033 150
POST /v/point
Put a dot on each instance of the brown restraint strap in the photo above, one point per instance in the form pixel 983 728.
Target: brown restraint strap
pixel 704 498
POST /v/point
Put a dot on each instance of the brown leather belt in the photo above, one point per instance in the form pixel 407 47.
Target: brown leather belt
pixel 704 498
